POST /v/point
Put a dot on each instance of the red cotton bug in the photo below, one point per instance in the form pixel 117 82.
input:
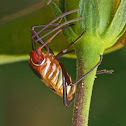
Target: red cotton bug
pixel 45 64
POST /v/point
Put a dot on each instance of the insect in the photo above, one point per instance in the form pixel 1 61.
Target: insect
pixel 46 65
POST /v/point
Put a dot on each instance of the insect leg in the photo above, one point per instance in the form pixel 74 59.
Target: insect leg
pixel 50 39
pixel 88 71
pixel 38 26
pixel 59 26
pixel 37 36
pixel 64 51
pixel 65 102
pixel 69 51
pixel 41 42
pixel 53 24
pixel 63 15
pixel 65 80
pixel 105 71
pixel 34 33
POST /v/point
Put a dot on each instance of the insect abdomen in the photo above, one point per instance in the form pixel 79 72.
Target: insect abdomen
pixel 51 73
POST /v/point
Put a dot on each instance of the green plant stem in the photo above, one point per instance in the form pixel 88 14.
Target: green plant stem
pixel 86 59
pixel 83 98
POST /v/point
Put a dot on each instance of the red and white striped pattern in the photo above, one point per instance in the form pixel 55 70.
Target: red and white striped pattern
pixel 51 73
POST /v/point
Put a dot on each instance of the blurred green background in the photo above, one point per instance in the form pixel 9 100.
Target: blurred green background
pixel 25 100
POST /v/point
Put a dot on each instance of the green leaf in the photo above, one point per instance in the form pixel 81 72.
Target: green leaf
pixel 118 25
pixel 62 5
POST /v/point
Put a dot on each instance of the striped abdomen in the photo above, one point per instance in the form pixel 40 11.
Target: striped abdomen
pixel 51 74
